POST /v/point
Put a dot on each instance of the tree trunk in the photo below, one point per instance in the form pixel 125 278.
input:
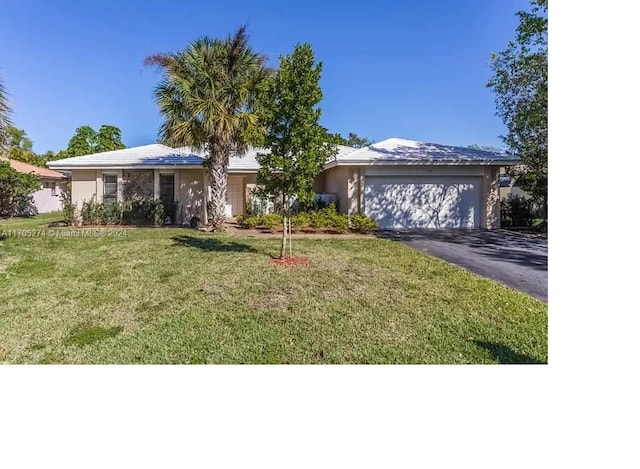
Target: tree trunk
pixel 283 246
pixel 217 165
pixel 290 248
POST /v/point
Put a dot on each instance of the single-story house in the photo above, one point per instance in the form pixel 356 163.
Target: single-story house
pixel 52 184
pixel 399 183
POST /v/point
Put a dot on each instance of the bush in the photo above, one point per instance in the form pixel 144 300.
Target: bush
pixel 138 211
pixel 112 213
pixel 15 191
pixel 517 211
pixel 252 221
pixel 69 209
pixel 363 224
pixel 329 218
pixel 249 222
pixel 91 213
pixel 271 220
pixel 143 211
pixel 300 221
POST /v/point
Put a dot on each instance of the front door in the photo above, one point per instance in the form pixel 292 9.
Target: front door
pixel 167 195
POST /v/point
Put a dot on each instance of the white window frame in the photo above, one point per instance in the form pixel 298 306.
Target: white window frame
pixel 117 193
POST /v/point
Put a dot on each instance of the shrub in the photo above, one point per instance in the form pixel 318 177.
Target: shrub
pixel 271 220
pixel 112 213
pixel 240 221
pixel 252 221
pixel 363 224
pixel 90 213
pixel 137 211
pixel 329 218
pixel 143 211
pixel 15 191
pixel 300 221
pixel 516 210
pixel 69 209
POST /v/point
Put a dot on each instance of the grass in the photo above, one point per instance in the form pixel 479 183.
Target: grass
pixel 182 296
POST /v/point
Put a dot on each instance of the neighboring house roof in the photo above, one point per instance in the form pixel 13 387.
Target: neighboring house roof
pixel 27 168
pixel 401 151
pixel 390 151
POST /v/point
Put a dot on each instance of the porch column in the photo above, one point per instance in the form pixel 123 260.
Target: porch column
pixel 119 185
pixel 99 186
pixel 156 183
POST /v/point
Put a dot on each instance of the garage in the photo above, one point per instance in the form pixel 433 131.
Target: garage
pixel 419 201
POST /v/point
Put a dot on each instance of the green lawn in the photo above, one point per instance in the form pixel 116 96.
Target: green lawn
pixel 181 296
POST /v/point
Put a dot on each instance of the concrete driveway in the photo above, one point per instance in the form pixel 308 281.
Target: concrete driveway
pixel 515 260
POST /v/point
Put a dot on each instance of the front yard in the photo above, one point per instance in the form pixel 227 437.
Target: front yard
pixel 181 296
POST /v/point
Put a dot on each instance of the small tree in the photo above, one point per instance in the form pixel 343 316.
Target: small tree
pixel 15 191
pixel 299 146
pixel 520 83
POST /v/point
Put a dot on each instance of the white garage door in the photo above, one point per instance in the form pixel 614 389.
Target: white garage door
pixel 423 201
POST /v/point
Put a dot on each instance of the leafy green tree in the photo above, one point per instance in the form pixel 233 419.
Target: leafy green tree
pixel 18 138
pixel 5 117
pixel 299 146
pixel 15 191
pixel 206 97
pixel 520 85
pixel 353 140
pixel 86 141
pixel 83 141
pixel 109 138
pixel 20 147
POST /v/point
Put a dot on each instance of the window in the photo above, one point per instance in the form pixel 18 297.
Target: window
pixel 110 187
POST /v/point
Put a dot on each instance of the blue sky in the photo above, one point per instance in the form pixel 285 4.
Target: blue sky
pixel 408 69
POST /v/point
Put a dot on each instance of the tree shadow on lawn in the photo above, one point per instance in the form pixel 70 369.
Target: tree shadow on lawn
pixel 212 244
pixel 505 355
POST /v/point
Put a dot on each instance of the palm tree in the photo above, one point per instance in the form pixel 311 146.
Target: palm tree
pixel 206 97
pixel 5 117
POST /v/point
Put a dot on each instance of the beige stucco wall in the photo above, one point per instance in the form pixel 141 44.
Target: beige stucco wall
pixel 190 195
pixel 490 198
pixel 83 186
pixel 319 183
pixel 236 194
pixel 336 181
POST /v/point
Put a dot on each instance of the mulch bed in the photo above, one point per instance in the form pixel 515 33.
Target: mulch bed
pixel 290 261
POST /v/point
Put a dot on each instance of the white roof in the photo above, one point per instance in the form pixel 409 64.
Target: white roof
pixel 390 151
pixel 246 162
pixel 154 155
pixel 249 161
pixel 402 151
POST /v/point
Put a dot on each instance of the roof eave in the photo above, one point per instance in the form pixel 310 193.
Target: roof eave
pixel 365 162
pixel 138 166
